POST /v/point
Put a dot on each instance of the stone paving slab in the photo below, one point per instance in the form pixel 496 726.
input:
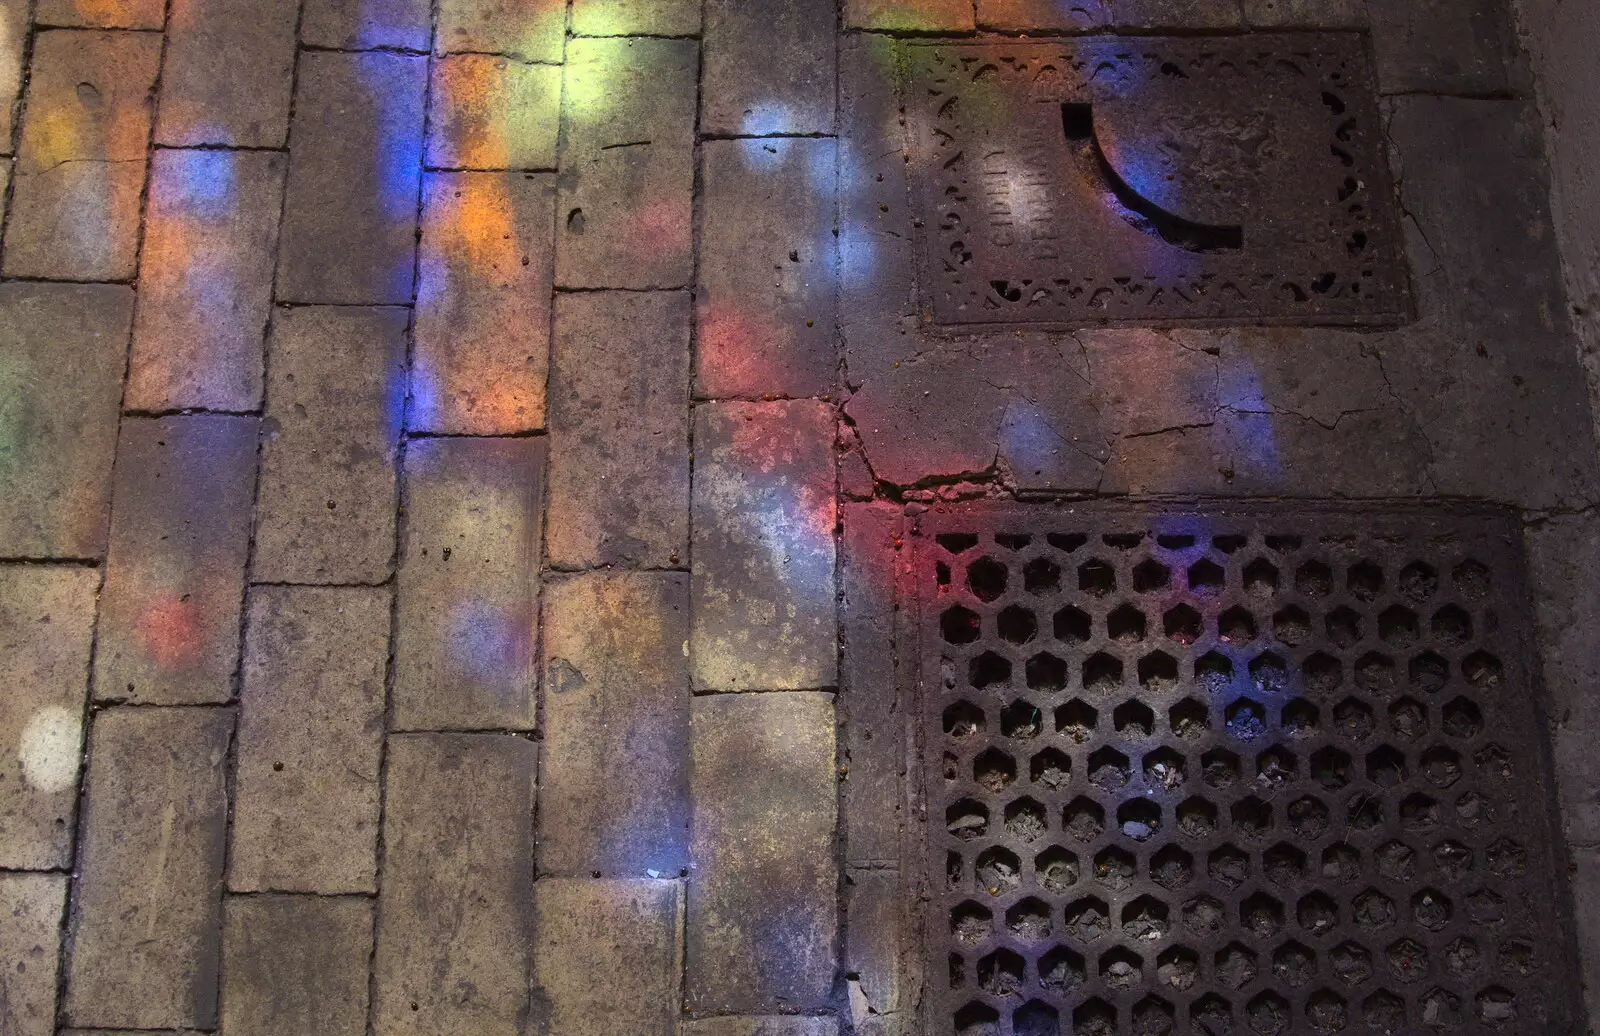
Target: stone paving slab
pixel 531 30
pixel 226 77
pixel 762 910
pixel 1318 14
pixel 454 913
pixel 13 38
pixel 180 533
pixel 900 16
pixel 769 67
pixel 1442 46
pixel 67 343
pixel 875 906
pixel 635 17
pixel 205 280
pixel 608 958
pixel 102 14
pixel 147 901
pixel 467 615
pixel 492 112
pixel 869 693
pixel 295 964
pixel 366 24
pixel 46 628
pixel 31 908
pixel 325 509
pixel 774 1025
pixel 615 792
pixel 310 741
pixel 619 438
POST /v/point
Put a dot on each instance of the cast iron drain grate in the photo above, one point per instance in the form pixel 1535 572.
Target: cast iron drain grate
pixel 1136 179
pixel 1270 773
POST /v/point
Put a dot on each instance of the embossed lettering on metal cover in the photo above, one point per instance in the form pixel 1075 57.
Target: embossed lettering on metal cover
pixel 1277 773
pixel 1104 180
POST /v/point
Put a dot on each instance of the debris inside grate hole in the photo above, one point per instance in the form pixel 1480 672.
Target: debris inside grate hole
pixel 1297 787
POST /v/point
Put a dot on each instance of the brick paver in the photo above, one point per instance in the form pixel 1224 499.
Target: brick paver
pixel 13 37
pixel 31 908
pixel 67 344
pixel 531 30
pixel 296 964
pixel 226 78
pixel 365 24
pixel 326 506
pixel 873 797
pixel 491 112
pixel 46 626
pixel 627 931
pixel 310 741
pixel 101 14
pixel 180 532
pixel 636 17
pixel 769 68
pixel 205 280
pixel 454 913
pixel 145 930
pixel 615 796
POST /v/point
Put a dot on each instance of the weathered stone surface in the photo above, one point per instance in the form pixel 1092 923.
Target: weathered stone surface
pixel 489 112
pixel 774 1025
pixel 1040 14
pixel 295 964
pixel 454 914
pixel 619 430
pixel 80 166
pixel 46 625
pixel 363 24
pixel 614 797
pixel 325 509
pixel 226 78
pixel 764 513
pixel 1320 14
pixel 468 584
pixel 31 906
pixel 769 67
pixel 1441 46
pixel 305 815
pixel 765 305
pixel 899 16
pixel 350 215
pixel 873 747
pixel 146 920
pixel 607 959
pixel 874 921
pixel 13 36
pixel 1585 879
pixel 483 303
pixel 1487 371
pixel 205 280
pixel 763 911
pixel 627 164
pixel 635 17
pixel 929 417
pixel 64 346
pixel 532 30
pixel 1173 14
pixel 180 531
pixel 101 14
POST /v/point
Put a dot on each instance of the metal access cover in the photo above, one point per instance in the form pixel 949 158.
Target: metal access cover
pixel 1270 773
pixel 1138 179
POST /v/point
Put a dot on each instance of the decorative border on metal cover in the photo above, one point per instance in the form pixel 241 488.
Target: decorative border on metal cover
pixel 1176 180
pixel 1273 772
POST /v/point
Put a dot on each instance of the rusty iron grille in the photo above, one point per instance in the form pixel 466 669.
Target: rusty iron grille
pixel 1148 179
pixel 1270 774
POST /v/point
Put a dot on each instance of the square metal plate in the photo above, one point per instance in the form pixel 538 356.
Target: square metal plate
pixel 1171 180
pixel 1266 772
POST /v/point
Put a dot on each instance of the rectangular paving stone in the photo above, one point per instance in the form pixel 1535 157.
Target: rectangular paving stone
pixel 325 512
pixel 869 695
pixel 295 964
pixel 874 919
pixel 615 787
pixel 490 112
pixel 350 215
pixel 13 35
pixel 62 351
pixel 1173 14
pixel 364 24
pixel 174 585
pixel 762 908
pixel 607 960
pixel 1041 14
pixel 305 815
pixel 619 430
pixel 227 76
pixel 205 280
pixel 454 913
pixel 763 518
pixel 468 584
pixel 101 14
pixel 635 17
pixel 46 625
pixel 773 1025
pixel 1441 46
pixel 31 906
pixel 532 30
pixel 765 305
pixel 146 918
pixel 903 16
pixel 1319 14
pixel 627 164
pixel 769 66
pixel 482 353
pixel 81 163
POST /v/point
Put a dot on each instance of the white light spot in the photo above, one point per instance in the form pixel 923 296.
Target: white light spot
pixel 51 744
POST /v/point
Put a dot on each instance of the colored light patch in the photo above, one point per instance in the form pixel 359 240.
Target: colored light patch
pixel 205 185
pixel 487 641
pixel 170 631
pixel 398 147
